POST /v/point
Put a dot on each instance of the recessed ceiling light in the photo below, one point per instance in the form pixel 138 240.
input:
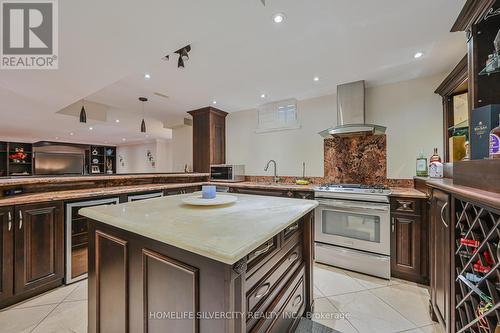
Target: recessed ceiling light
pixel 214 102
pixel 278 18
pixel 316 78
pixel 262 95
pixel 117 120
pixel 418 55
pixel 71 133
pixel 147 76
pixel 57 138
pixel 123 139
pixel 91 128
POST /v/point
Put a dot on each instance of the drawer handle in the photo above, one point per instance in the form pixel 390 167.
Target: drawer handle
pixel 293 257
pixel 293 227
pixel 20 220
pixel 297 300
pixel 264 250
pixel 263 290
pixel 9 214
pixel 406 204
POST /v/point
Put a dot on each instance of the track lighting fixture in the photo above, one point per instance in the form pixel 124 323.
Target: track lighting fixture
pixel 183 55
pixel 83 114
pixel 143 122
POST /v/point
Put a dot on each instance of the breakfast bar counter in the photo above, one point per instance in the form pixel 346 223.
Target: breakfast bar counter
pixel 160 265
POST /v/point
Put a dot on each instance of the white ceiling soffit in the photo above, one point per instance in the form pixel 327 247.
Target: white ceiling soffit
pixel 94 111
pixel 238 53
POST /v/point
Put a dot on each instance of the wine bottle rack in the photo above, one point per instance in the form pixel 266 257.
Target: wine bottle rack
pixel 477 297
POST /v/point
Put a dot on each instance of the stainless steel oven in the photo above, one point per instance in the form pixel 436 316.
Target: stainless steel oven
pixel 354 235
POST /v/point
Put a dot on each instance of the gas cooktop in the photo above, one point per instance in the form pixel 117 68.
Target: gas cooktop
pixel 353 188
pixel 376 193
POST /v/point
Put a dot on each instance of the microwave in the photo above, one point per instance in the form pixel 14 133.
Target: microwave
pixel 227 173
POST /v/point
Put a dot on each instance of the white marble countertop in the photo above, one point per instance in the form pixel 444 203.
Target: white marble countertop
pixel 224 233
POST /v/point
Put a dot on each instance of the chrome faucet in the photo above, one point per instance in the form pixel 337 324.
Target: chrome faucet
pixel 275 178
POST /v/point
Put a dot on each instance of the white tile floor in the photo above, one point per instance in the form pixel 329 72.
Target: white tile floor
pixel 369 305
pixel 365 304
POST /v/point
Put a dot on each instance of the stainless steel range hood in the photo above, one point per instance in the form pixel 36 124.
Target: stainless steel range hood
pixel 351 113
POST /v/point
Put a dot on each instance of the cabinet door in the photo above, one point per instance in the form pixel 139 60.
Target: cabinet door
pixel 441 257
pixel 39 246
pixel 405 247
pixel 6 252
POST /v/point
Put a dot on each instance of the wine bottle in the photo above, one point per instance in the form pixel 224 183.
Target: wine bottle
pixel 495 141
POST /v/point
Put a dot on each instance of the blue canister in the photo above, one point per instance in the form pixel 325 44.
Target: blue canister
pixel 208 191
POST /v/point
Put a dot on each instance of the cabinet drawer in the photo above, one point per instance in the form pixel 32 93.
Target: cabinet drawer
pixel 406 205
pixel 287 308
pixel 261 291
pixel 257 270
pixel 263 253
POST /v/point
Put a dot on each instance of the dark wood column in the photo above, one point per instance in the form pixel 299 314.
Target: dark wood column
pixel 209 138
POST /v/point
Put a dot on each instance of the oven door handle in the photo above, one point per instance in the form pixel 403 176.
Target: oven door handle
pixel 341 204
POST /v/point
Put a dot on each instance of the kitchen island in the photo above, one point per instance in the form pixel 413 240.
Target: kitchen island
pixel 162 266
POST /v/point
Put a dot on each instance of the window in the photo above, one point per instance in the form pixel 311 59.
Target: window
pixel 278 116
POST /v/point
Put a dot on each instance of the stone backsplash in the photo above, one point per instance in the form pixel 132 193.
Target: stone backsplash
pixel 356 159
pixel 350 160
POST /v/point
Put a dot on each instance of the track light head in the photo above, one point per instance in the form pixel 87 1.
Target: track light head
pixel 180 62
pixel 83 115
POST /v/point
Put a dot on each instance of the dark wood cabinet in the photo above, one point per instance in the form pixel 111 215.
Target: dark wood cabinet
pixel 441 248
pixel 209 138
pixel 405 245
pixel 6 252
pixel 409 240
pixel 32 250
pixel 39 247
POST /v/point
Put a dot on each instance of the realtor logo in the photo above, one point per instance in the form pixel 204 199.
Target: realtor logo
pixel 29 34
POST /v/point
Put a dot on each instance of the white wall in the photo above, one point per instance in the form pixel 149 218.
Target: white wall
pixel 182 148
pixel 289 148
pixel 136 161
pixel 410 110
pixel 413 115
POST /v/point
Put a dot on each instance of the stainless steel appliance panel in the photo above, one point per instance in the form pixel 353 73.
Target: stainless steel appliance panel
pixel 227 173
pixel 358 261
pixel 358 225
pixel 58 163
pixel 77 238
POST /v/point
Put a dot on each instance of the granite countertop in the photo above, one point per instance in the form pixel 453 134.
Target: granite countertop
pixel 87 193
pixel 29 180
pixel 267 186
pixel 225 233
pixel 407 192
pixel 485 197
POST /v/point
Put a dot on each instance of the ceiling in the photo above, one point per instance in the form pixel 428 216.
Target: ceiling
pixel 238 53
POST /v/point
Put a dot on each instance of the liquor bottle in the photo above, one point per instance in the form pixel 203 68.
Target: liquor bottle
pixel 495 141
pixel 435 157
pixel 435 165
pixel 422 170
